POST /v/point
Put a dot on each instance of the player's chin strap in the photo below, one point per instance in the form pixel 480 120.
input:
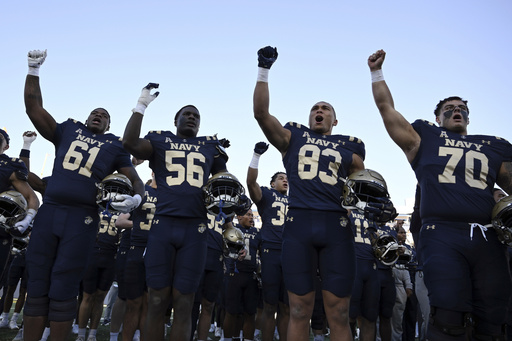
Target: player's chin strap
pixel 483 229
pixel 221 217
pixel 106 211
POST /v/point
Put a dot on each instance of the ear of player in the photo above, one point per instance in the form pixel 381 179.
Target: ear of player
pixel 267 56
pixel 367 192
pixel 502 220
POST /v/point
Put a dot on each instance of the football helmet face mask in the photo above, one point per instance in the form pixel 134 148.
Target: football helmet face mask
pixel 13 208
pixel 19 245
pixel 366 191
pixel 223 193
pixel 502 220
pixel 109 188
pixel 385 248
pixel 233 240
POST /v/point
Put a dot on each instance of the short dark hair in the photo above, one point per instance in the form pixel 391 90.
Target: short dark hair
pixel 437 110
pixel 274 177
pixel 183 107
pixel 6 136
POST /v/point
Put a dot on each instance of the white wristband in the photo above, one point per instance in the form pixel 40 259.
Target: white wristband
pixel 377 76
pixel 31 213
pixel 255 161
pixel 33 71
pixel 263 74
pixel 139 108
pixel 26 145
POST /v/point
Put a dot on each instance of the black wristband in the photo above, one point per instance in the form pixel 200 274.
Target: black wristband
pixel 25 153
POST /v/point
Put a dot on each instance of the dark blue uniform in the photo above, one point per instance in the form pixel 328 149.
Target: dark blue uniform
pixel 366 292
pixel 457 174
pixel 142 217
pixel 176 251
pixel 67 222
pixel 100 272
pixel 241 284
pixel 8 165
pixel 314 164
pixel 387 282
pixel 272 207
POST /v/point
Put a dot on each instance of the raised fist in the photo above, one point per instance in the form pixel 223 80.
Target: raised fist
pixel 267 56
pixel 29 136
pixel 36 58
pixel 260 148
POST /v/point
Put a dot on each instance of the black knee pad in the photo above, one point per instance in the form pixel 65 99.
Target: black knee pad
pixel 36 306
pixel 61 311
pixel 454 324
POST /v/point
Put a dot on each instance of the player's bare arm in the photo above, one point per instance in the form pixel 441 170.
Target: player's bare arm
pixel 42 120
pixel 357 164
pixel 398 128
pixel 252 173
pixel 124 222
pixel 278 136
pixel 504 179
pixel 23 187
pixel 138 147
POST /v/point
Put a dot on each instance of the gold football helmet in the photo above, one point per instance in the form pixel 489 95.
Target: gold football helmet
pixel 233 242
pixel 13 208
pixel 502 220
pixel 109 188
pixel 223 193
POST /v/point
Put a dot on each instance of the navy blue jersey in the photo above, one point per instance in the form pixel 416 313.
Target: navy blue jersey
pixel 272 208
pixel 82 159
pixel 9 165
pixel 214 239
pixel 108 234
pixel 315 163
pixel 457 173
pixel 142 217
pixel 252 238
pixel 363 244
pixel 182 167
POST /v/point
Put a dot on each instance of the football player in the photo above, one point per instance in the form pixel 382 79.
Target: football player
pixel 241 286
pixel 316 227
pixel 98 277
pixel 364 303
pixel 14 174
pixel 272 205
pixel 135 271
pixel 457 173
pixel 176 251
pixel 64 236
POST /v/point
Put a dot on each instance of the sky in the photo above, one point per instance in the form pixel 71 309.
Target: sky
pixel 101 54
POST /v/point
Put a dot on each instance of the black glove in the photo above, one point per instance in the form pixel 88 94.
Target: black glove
pixel 260 147
pixel 245 205
pixel 267 56
pixel 380 212
pixel 224 143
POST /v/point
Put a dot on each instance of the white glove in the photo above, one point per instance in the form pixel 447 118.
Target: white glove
pixel 21 226
pixel 28 138
pixel 35 60
pixel 145 98
pixel 125 203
